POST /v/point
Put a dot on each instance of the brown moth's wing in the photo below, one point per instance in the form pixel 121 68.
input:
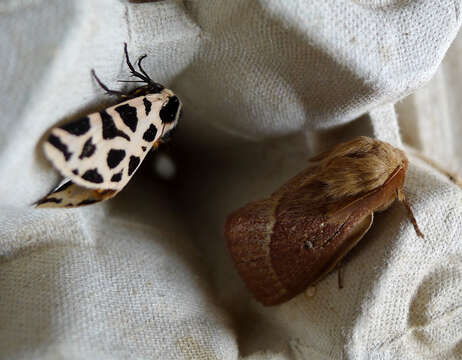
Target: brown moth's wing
pixel 280 251
pixel 68 194
pixel 282 245
pixel 248 234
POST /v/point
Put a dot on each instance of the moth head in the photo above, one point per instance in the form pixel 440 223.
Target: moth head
pixel 151 87
pixel 401 156
pixel 154 88
pixel 171 110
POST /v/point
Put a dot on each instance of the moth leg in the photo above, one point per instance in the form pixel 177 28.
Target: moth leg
pixel 103 194
pixel 132 69
pixel 157 143
pixel 160 140
pixel 402 198
pixel 105 88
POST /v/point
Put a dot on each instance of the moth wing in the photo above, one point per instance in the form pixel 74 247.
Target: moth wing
pixel 68 194
pixel 104 149
pixel 283 244
pixel 305 242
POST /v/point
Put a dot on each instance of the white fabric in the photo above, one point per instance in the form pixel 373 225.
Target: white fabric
pixel 265 85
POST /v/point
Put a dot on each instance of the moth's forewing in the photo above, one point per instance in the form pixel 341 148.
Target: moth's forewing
pixel 99 153
pixel 284 244
pixel 248 234
pixel 104 149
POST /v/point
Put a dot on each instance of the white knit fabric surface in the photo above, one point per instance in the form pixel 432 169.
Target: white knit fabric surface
pixel 265 85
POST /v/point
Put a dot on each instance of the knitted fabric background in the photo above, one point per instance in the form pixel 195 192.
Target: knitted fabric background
pixel 265 85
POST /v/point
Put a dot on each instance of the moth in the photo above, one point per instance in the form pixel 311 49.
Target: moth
pixel 291 240
pixel 99 153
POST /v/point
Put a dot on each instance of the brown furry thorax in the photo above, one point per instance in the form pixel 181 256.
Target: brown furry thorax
pixel 351 168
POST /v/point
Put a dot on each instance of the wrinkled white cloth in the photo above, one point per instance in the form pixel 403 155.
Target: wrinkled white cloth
pixel 265 85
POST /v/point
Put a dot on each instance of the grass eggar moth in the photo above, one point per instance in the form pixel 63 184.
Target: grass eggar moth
pixel 291 240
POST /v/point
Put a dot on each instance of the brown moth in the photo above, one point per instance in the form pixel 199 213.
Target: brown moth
pixel 291 240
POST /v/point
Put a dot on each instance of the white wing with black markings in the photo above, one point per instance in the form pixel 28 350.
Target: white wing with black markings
pixel 98 154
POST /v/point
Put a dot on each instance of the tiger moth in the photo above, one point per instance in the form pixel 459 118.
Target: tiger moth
pixel 99 153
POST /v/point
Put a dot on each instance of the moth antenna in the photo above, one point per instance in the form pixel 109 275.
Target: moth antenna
pixel 132 69
pixel 402 198
pixel 105 88
pixel 131 81
pixel 453 176
pixel 340 275
pixel 140 59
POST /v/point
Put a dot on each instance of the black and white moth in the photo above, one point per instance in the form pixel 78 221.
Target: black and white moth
pixel 99 153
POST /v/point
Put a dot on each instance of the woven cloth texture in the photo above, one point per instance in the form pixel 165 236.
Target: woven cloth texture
pixel 265 85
